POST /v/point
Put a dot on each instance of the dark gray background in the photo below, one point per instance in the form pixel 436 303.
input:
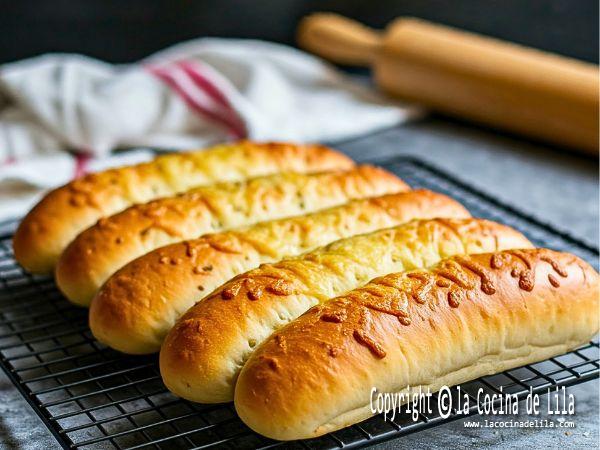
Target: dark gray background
pixel 127 30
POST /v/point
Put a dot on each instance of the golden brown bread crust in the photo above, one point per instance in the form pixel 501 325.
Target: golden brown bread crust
pixel 465 318
pixel 65 212
pixel 203 353
pixel 103 248
pixel 128 315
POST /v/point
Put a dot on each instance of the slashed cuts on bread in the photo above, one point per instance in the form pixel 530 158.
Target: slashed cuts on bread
pixel 203 353
pixel 65 212
pixel 139 304
pixel 104 248
pixel 467 317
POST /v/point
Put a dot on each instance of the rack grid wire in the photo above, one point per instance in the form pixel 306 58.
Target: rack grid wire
pixel 90 396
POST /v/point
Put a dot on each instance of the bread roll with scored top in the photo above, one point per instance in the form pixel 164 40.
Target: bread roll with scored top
pixel 467 317
pixel 203 353
pixel 65 212
pixel 128 314
pixel 102 249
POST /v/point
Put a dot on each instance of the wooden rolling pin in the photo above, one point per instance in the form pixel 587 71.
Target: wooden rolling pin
pixel 507 86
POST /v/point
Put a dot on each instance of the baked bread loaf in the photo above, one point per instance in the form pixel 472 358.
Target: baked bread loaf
pixel 203 353
pixel 467 317
pixel 103 248
pixel 65 212
pixel 128 315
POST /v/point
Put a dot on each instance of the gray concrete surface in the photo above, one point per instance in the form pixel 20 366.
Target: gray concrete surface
pixel 557 187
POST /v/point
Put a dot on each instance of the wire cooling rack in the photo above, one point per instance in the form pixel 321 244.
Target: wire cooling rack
pixel 92 397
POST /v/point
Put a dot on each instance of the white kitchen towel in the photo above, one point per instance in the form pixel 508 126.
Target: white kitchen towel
pixel 63 115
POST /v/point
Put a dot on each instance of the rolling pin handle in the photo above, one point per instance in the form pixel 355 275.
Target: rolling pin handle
pixel 339 39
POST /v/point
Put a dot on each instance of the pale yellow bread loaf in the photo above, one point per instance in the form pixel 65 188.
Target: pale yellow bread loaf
pixel 139 304
pixel 65 212
pixel 467 317
pixel 102 249
pixel 203 353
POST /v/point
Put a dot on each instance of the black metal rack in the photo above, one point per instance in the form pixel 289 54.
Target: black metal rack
pixel 92 397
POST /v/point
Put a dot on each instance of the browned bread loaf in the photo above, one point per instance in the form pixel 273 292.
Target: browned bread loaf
pixel 467 317
pixel 65 212
pixel 203 353
pixel 103 248
pixel 139 304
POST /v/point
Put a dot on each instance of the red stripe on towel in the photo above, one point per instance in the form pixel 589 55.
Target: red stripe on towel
pixel 81 162
pixel 9 161
pixel 205 79
pixel 200 101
